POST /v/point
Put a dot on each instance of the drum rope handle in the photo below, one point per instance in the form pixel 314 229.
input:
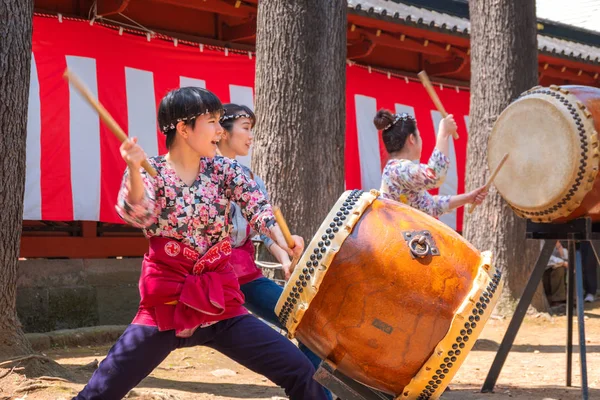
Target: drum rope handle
pixel 416 250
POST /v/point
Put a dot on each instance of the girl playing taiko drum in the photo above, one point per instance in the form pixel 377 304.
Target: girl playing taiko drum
pixel 260 292
pixel 405 179
pixel 190 294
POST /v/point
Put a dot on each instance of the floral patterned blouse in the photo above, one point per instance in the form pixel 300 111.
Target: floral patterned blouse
pixel 195 214
pixel 408 181
pixel 239 233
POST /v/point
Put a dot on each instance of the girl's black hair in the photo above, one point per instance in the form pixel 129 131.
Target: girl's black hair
pixel 185 104
pixel 396 128
pixel 232 111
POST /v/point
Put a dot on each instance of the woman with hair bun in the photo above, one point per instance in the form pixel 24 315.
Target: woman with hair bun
pixel 405 179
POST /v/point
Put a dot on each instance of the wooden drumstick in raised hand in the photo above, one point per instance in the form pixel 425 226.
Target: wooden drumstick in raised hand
pixel 434 97
pixel 286 234
pixel 489 182
pixel 104 114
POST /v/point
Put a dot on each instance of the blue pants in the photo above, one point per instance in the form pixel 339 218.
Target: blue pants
pixel 262 295
pixel 244 339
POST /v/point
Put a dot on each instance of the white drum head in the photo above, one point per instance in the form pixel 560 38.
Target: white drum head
pixel 548 140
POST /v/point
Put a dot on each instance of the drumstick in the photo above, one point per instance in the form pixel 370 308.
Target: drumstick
pixel 286 234
pixel 434 97
pixel 489 182
pixel 284 228
pixel 104 114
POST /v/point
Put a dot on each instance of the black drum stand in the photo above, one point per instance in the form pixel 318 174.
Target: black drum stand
pixel 579 231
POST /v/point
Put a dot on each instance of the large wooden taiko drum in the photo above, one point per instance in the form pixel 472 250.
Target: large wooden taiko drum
pixel 551 136
pixel 390 296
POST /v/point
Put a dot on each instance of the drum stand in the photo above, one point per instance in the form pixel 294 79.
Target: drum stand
pixel 344 387
pixel 574 232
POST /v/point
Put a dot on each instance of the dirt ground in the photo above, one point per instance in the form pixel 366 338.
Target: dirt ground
pixel 535 369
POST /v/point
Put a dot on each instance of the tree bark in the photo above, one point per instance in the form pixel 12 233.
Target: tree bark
pixel 503 65
pixel 15 59
pixel 16 20
pixel 300 106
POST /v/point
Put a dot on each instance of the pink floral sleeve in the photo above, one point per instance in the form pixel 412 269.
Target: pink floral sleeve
pixel 252 201
pixel 145 213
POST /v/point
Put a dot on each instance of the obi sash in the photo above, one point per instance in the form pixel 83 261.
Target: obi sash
pixel 182 291
pixel 242 261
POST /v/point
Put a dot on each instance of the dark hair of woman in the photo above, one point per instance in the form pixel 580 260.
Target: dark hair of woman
pixel 185 104
pixel 395 129
pixel 231 112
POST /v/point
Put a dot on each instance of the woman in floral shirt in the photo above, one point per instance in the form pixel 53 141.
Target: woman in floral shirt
pixel 190 294
pixel 405 179
pixel 260 292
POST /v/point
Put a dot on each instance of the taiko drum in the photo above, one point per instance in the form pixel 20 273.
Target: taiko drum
pixel 551 135
pixel 390 296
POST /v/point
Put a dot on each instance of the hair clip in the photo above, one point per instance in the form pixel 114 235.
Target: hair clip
pixel 398 117
pixel 234 117
pixel 167 128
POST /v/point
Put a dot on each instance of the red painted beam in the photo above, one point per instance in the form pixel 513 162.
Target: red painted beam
pixel 559 62
pixel 239 32
pixel 231 8
pixel 406 43
pixel 110 7
pixel 360 49
pixel 410 29
pixel 448 67
pixel 566 74
pixel 82 247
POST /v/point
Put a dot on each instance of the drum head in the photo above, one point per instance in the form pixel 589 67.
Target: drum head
pixel 542 142
pixel 544 134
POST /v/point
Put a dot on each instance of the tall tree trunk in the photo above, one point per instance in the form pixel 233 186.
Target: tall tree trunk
pixel 503 65
pixel 16 18
pixel 300 106
pixel 15 60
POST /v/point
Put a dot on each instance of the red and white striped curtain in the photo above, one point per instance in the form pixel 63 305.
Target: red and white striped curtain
pixel 73 164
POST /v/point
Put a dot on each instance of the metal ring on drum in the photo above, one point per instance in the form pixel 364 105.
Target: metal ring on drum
pixel 419 246
pixel 390 296
pixel 551 135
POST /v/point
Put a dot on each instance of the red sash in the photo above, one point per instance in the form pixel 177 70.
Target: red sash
pixel 181 290
pixel 242 261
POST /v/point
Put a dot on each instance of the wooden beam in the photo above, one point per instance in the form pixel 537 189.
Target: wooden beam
pixel 448 67
pixel 409 44
pixel 206 41
pixel 360 49
pixel 82 247
pixel 225 7
pixel 586 66
pixel 88 229
pixel 435 80
pixel 105 8
pixel 400 41
pixel 409 28
pixel 243 31
pixel 574 77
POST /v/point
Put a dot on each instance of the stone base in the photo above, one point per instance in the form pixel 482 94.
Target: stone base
pixel 75 293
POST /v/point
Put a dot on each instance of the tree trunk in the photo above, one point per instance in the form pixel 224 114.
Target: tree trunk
pixel 503 65
pixel 300 106
pixel 16 18
pixel 15 59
